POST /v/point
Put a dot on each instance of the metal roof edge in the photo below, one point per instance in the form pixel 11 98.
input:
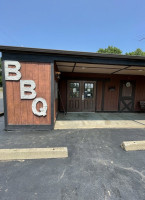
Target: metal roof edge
pixel 65 52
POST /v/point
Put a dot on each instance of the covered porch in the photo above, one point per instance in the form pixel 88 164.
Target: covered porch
pixel 100 91
pixel 87 87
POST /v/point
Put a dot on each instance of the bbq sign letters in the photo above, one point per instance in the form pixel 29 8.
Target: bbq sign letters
pixel 27 87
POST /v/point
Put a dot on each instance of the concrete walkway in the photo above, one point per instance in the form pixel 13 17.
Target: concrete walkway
pixel 100 120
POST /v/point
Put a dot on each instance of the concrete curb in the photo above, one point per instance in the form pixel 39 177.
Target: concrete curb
pixel 133 145
pixel 33 153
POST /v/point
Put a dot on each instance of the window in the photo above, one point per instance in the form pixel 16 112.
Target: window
pixel 74 90
pixel 88 91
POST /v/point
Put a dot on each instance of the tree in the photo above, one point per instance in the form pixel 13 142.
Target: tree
pixel 0 74
pixel 137 52
pixel 110 50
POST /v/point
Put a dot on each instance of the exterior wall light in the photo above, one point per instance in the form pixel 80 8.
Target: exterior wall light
pixel 57 74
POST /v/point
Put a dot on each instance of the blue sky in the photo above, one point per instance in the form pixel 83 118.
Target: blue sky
pixel 82 25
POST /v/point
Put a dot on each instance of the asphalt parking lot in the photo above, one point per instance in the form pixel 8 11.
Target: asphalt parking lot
pixel 97 168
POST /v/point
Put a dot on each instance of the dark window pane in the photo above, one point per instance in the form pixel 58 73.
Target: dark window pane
pixel 74 90
pixel 89 90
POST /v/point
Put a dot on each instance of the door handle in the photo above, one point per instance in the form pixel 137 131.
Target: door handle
pixel 82 97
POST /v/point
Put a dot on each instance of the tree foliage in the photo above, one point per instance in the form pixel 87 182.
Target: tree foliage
pixel 115 50
pixel 110 50
pixel 137 52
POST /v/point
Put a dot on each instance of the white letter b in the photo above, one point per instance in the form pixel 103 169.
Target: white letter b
pixel 14 70
pixel 27 86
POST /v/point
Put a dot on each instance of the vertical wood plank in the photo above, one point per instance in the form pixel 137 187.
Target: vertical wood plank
pixel 99 95
pixel 139 93
pixel 29 76
pixel 10 102
pixel 111 97
pixel 23 102
pixel 48 91
pixel 36 119
pixel 17 102
pixel 42 90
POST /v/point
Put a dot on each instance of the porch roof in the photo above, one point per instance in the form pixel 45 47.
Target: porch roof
pixel 81 62
pixel 100 68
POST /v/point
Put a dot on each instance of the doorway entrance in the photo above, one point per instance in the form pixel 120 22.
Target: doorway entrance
pixel 81 96
pixel 126 97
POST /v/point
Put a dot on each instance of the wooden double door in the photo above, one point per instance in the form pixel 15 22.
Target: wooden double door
pixel 81 96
